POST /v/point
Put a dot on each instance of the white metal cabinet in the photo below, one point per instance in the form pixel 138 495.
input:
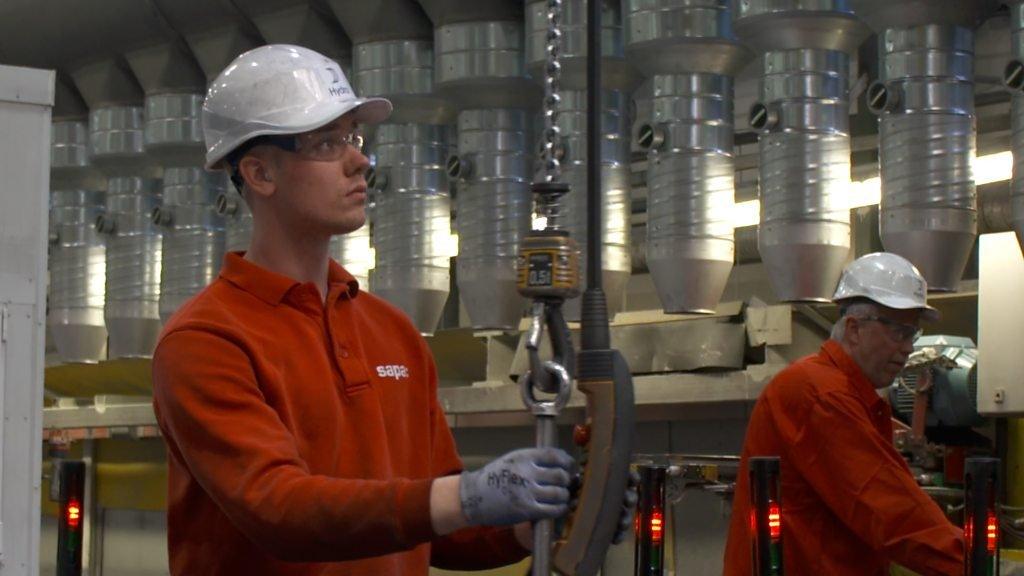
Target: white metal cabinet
pixel 1000 326
pixel 26 98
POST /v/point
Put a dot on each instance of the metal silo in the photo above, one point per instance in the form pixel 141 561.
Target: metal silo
pixel 925 99
pixel 803 117
pixel 690 53
pixel 133 265
pixel 353 251
pixel 393 57
pixel 77 262
pixel 116 134
pixel 193 238
pixel 481 70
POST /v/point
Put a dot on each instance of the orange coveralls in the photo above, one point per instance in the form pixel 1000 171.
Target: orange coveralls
pixel 850 505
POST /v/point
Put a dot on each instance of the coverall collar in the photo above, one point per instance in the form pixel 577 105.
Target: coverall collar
pixel 272 287
pixel 860 384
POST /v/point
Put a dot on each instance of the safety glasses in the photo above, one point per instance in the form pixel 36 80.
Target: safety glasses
pixel 325 146
pixel 320 146
pixel 899 331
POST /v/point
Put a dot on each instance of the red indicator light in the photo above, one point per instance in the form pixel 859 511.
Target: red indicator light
pixel 657 526
pixel 774 521
pixel 991 533
pixel 74 514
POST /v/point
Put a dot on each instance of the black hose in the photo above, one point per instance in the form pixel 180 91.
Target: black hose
pixel 594 308
pixel 594 144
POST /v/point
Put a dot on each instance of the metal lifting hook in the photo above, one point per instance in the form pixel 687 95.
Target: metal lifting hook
pixel 545 411
pixel 548 272
pixel 542 372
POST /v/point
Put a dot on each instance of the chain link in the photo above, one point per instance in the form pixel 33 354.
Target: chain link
pixel 551 142
pixel 552 75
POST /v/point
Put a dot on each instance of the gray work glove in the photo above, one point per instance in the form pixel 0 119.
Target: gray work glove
pixel 523 485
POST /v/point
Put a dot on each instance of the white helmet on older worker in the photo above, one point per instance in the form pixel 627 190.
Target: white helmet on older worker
pixel 887 279
pixel 278 89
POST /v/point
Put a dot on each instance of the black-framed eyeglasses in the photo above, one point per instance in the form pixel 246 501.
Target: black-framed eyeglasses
pixel 900 331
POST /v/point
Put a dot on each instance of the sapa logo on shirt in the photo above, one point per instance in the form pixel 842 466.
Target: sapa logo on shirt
pixel 396 371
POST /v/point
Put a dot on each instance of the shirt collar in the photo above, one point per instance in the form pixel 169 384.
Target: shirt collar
pixel 272 287
pixel 337 275
pixel 861 386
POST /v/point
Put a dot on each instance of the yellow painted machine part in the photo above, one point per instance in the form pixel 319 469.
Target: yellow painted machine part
pixel 513 570
pixel 130 474
pixel 128 377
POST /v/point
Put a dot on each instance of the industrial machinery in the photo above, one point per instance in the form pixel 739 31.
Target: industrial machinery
pixel 766 505
pixel 667 481
pixel 981 517
pixel 548 272
pixel 71 501
pixel 939 386
pixel 721 220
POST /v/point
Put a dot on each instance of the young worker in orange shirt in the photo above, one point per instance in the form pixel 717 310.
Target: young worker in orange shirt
pixel 300 412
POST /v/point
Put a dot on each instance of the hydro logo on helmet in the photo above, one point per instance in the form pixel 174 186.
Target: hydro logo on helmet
pixel 888 279
pixel 279 89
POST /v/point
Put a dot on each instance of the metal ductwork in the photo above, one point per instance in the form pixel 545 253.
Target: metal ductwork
pixel 237 220
pixel 89 51
pixel 689 52
pixel 193 233
pixel 1014 79
pixel 690 183
pixel 116 119
pixel 77 255
pixel 615 220
pixel 302 23
pixel 70 162
pixel 116 134
pixel 215 30
pixel 133 265
pixel 482 72
pixel 353 252
pixel 803 117
pixel 493 210
pixel 77 276
pixel 925 99
pixel 412 220
pixel 393 57
pixel 193 239
pixel 619 80
pixel 616 73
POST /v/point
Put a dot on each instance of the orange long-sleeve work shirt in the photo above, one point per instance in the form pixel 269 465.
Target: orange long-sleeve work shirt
pixel 303 436
pixel 850 505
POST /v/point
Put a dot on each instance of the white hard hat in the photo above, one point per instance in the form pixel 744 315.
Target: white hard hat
pixel 887 279
pixel 279 89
